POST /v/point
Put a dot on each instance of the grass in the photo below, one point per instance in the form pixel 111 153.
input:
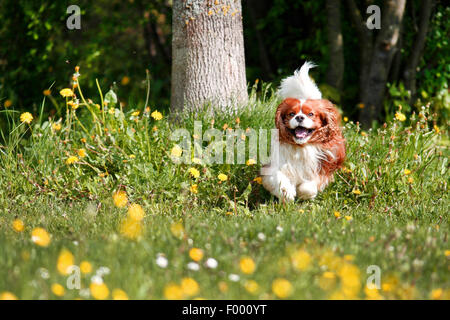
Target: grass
pixel 387 207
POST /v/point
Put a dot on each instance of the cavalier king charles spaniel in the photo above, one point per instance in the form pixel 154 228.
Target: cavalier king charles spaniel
pixel 310 142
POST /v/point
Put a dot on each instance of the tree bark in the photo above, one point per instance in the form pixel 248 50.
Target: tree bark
pixel 383 53
pixel 335 72
pixel 208 63
pixel 409 74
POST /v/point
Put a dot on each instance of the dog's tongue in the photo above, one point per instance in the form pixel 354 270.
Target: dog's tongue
pixel 301 133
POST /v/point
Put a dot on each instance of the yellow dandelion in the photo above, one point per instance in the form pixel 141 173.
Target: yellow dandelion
pixel 130 228
pixel 282 288
pixel 301 259
pixel 436 294
pixel 176 151
pixel 173 292
pixel 327 281
pixel 251 286
pixel 72 160
pixel 8 296
pixel 125 80
pixel 447 253
pixel 65 261
pixel 196 160
pixel 436 129
pixel 26 117
pixel 120 199
pixel 119 294
pixel 356 191
pixel 156 115
pixel 83 140
pixel 18 225
pixel 406 172
pixel 136 212
pixel 47 92
pixel 247 265
pixel 250 162
pixel 410 180
pixel 194 189
pixel 345 119
pixel 222 177
pixel 348 218
pixel 223 286
pixel 363 133
pixel 66 92
pixel 58 290
pixel 81 153
pixel 8 103
pixel 74 105
pixel 189 287
pixel 372 293
pixel 194 173
pixel 56 126
pixel 85 267
pixel 135 113
pixel 349 257
pixel 337 214
pixel 400 116
pixel 40 237
pixel 196 254
pixel 361 105
pixel 99 291
pixel 258 180
pixel 177 229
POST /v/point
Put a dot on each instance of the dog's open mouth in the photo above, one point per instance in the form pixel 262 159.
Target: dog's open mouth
pixel 301 133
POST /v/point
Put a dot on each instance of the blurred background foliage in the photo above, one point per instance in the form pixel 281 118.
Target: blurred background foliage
pixel 120 39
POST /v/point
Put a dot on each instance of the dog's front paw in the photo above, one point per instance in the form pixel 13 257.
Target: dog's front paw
pixel 287 192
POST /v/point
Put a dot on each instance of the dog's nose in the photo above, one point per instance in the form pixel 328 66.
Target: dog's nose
pixel 299 118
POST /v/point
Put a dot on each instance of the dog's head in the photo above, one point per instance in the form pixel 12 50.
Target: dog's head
pixel 310 121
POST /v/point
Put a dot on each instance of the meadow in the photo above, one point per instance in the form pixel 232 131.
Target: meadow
pixel 97 186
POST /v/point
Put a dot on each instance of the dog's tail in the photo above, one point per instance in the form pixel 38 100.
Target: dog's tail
pixel 300 85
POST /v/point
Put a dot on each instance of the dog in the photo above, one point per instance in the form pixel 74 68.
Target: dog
pixel 310 143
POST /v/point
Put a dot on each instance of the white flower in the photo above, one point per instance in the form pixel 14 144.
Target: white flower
pixel 97 279
pixel 161 261
pixel 102 271
pixel 44 273
pixel 234 277
pixel 280 228
pixel 261 236
pixel 190 242
pixel 193 266
pixel 211 263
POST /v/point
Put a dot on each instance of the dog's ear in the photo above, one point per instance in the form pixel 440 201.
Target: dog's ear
pixel 329 115
pixel 279 116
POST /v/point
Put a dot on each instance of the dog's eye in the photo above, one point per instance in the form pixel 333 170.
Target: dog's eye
pixel 291 114
pixel 310 114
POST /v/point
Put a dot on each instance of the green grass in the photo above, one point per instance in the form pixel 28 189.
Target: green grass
pixel 399 221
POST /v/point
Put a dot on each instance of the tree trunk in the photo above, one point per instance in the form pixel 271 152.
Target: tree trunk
pixel 335 72
pixel 409 74
pixel 208 63
pixel 383 53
